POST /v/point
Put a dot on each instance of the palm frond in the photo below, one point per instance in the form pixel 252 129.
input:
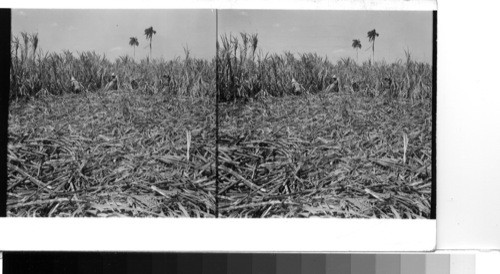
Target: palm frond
pixel 372 34
pixel 356 43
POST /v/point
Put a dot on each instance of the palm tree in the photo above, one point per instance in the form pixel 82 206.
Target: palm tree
pixel 134 43
pixel 356 44
pixel 149 32
pixel 372 34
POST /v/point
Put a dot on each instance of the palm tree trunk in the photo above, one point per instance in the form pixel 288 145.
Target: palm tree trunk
pixel 151 47
pixel 373 49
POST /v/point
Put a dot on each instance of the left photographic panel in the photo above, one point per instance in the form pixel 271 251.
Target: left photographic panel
pixel 112 113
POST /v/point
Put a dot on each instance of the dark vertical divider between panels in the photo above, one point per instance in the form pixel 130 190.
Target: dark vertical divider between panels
pixel 216 113
pixel 434 121
pixel 5 28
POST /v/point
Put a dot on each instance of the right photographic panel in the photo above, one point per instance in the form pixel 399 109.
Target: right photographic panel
pixel 326 114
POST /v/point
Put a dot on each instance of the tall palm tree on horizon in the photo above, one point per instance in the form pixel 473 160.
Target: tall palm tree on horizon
pixel 149 32
pixel 372 34
pixel 134 43
pixel 356 44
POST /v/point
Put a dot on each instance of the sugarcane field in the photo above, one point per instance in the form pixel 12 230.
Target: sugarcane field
pixel 251 126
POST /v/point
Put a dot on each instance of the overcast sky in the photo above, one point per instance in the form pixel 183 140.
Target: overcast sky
pixel 109 31
pixel 331 32
pixel 328 33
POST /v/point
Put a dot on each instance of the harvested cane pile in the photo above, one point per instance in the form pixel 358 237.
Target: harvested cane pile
pixel 331 155
pixel 119 153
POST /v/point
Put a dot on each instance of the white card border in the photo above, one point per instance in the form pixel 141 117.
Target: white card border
pixel 216 235
pixel 243 235
pixel 229 4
